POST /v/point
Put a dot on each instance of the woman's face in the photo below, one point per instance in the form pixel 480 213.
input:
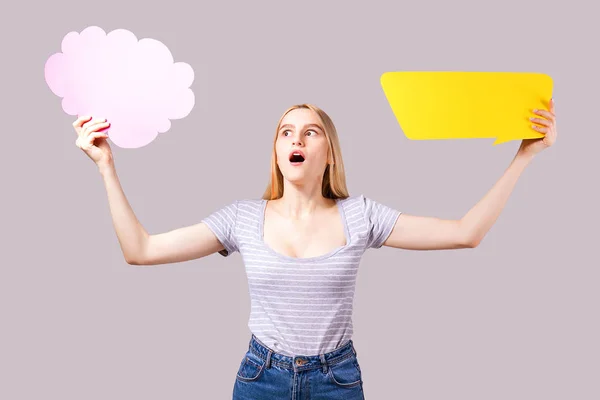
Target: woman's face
pixel 300 131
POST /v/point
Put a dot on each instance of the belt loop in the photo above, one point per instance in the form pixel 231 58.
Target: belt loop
pixel 268 364
pixel 323 362
pixel 353 349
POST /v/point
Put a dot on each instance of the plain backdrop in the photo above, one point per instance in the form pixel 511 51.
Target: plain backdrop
pixel 516 317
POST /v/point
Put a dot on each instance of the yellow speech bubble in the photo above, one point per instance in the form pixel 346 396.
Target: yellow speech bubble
pixel 467 105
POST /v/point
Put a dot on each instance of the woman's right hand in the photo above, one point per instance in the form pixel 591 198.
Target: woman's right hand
pixel 92 142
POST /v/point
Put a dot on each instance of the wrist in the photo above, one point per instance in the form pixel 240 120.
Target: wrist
pixel 524 154
pixel 523 158
pixel 106 167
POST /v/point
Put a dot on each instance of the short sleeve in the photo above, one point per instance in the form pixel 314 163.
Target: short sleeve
pixel 380 220
pixel 222 223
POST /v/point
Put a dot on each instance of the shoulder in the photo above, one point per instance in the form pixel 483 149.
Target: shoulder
pixel 352 200
pixel 250 202
pixel 367 206
pixel 249 208
pixel 358 201
pixel 233 207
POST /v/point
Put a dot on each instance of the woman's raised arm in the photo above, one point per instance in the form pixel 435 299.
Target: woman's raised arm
pixel 430 233
pixel 140 248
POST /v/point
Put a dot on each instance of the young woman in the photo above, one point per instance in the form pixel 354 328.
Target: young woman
pixel 301 244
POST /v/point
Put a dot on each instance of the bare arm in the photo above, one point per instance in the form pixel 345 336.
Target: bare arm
pixel 479 220
pixel 426 233
pixel 430 233
pixel 413 232
pixel 182 244
pixel 140 248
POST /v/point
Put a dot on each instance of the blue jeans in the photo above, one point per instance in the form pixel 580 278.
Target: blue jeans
pixel 265 374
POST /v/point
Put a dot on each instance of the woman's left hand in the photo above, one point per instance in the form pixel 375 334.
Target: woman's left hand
pixel 547 126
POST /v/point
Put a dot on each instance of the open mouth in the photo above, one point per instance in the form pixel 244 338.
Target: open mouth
pixel 296 158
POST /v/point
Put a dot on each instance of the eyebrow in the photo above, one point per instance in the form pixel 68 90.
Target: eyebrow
pixel 306 126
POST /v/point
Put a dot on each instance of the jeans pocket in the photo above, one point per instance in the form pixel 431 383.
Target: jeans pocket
pixel 251 367
pixel 345 373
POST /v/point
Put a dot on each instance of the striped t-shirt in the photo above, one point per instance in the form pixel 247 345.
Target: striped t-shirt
pixel 301 306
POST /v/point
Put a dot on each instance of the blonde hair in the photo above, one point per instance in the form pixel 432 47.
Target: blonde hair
pixel 334 178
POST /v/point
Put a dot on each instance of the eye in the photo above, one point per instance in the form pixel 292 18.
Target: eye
pixel 284 133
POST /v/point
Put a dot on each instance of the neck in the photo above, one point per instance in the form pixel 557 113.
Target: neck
pixel 301 201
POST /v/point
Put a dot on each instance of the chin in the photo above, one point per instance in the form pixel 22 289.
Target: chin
pixel 297 177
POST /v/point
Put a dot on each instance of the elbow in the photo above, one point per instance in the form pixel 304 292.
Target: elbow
pixel 473 242
pixel 470 241
pixel 472 245
pixel 468 238
pixel 133 260
pixel 137 257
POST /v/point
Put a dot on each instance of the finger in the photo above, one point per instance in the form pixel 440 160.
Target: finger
pixel 91 128
pixel 93 121
pixel 545 113
pixel 82 143
pixel 105 127
pixel 552 105
pixel 79 121
pixel 540 129
pixel 540 121
pixel 94 136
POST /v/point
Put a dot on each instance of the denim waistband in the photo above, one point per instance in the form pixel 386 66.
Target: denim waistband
pixel 300 362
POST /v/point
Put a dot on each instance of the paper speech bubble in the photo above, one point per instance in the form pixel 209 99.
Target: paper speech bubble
pixel 134 84
pixel 467 105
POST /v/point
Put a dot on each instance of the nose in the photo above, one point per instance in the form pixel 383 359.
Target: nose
pixel 297 141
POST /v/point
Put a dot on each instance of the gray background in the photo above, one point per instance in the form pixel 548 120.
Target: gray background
pixel 515 318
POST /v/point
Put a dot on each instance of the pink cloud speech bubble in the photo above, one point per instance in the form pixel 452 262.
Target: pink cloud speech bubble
pixel 134 84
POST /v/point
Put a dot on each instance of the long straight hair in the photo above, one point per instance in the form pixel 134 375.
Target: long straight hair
pixel 334 178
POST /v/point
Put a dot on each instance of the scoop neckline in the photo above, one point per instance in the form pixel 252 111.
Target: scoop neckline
pixel 331 253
